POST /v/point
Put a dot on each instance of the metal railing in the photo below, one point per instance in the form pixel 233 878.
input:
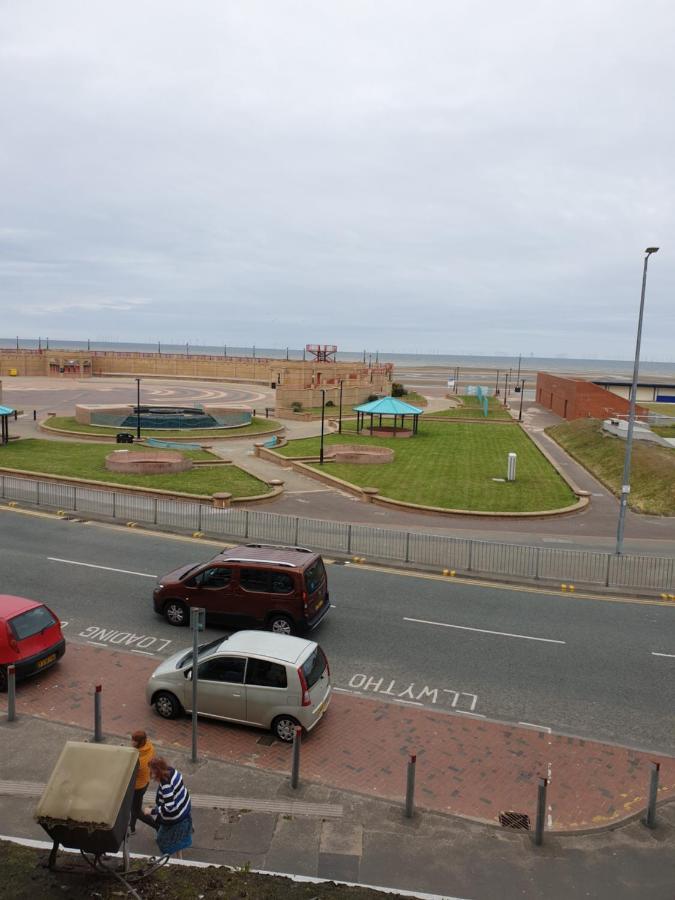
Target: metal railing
pixel 464 556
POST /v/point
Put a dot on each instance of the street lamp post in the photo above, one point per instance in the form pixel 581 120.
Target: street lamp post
pixel 340 416
pixel 506 386
pixel 497 385
pixel 138 409
pixel 522 391
pixel 625 482
pixel 323 406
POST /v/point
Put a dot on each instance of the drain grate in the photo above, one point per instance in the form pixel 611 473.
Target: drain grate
pixel 519 821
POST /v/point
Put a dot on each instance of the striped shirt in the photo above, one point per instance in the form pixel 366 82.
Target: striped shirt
pixel 172 803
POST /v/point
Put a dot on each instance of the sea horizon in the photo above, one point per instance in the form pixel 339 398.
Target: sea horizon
pixel 450 361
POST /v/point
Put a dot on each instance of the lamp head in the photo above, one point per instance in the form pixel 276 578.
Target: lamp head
pixel 650 250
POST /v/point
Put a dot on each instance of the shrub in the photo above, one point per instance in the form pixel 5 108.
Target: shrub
pixel 397 389
pixel 329 403
pixel 296 406
pixel 371 398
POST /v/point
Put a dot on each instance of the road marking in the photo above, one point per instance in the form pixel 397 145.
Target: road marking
pixel 123 639
pixel 363 683
pixel 525 637
pixel 96 644
pixel 73 562
pixel 545 728
pixel 464 712
pixel 669 655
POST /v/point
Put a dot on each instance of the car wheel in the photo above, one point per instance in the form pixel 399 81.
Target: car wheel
pixel 176 613
pixel 167 705
pixel 280 624
pixel 284 727
pixel 3 679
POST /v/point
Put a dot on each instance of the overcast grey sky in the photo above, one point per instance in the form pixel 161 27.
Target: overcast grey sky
pixel 463 176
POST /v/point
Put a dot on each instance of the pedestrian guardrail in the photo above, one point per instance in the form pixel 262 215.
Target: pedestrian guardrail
pixel 460 555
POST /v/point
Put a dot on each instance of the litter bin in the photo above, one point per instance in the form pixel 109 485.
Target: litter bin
pixel 13 372
pixel 124 438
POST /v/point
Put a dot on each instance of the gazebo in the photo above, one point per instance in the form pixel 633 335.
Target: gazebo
pixel 5 413
pixel 387 406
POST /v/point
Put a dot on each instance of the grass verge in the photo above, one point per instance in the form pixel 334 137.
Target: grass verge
pixel 70 423
pixel 25 876
pixel 452 466
pixel 652 480
pixel 85 460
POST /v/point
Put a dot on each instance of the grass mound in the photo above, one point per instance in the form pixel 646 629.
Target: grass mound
pixel 652 477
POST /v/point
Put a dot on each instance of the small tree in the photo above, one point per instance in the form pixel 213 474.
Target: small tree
pixel 372 398
pixel 397 389
pixel 329 403
pixel 296 406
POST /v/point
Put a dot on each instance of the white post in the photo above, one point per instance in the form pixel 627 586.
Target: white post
pixel 511 476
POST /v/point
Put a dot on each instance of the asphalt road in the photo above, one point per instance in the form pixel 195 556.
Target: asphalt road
pixel 589 667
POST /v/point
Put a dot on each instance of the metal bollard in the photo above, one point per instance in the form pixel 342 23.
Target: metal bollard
pixel 98 733
pixel 295 763
pixel 541 812
pixel 35 415
pixel 410 787
pixel 650 816
pixel 11 693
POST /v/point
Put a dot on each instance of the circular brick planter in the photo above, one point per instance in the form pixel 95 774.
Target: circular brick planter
pixel 359 454
pixel 147 462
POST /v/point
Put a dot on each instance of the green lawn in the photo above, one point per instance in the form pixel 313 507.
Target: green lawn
pixel 652 480
pixel 69 423
pixel 86 460
pixel 471 408
pixel 452 466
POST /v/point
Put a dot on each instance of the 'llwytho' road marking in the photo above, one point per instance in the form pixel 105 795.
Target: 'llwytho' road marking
pixel 361 684
pixel 525 637
pixel 74 562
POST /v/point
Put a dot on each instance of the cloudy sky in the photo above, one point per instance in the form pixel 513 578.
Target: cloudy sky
pixel 460 176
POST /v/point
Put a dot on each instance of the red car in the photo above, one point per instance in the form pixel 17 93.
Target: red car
pixel 30 637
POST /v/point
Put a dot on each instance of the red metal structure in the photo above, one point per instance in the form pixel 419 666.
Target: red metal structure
pixel 322 352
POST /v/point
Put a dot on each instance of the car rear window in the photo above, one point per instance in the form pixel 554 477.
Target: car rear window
pixel 315 576
pixel 31 622
pixel 313 667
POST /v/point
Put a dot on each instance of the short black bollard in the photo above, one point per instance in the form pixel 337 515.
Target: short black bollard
pixel 98 734
pixel 650 817
pixel 35 415
pixel 11 693
pixel 295 764
pixel 541 812
pixel 410 787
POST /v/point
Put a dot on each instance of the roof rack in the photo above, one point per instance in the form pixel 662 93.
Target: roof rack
pixel 278 547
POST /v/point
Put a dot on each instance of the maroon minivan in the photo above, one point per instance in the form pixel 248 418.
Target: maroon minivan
pixel 284 589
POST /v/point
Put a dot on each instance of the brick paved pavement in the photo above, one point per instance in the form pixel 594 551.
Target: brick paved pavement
pixel 466 766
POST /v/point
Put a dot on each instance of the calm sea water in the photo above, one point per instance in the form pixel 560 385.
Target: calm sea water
pixel 412 360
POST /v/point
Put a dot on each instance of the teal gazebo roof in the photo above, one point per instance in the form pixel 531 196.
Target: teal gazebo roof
pixel 388 406
pixel 6 410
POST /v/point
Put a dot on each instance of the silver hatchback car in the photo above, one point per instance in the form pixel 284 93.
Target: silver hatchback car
pixel 253 677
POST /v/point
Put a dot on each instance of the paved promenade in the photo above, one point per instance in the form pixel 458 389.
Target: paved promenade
pixel 466 766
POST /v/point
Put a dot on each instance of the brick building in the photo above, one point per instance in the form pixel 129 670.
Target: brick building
pixel 573 398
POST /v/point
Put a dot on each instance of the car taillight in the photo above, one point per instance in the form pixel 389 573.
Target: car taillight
pixel 306 699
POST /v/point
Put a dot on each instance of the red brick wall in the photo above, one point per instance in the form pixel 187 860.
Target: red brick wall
pixel 575 399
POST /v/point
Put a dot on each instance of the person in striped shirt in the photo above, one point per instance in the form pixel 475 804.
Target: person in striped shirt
pixel 173 810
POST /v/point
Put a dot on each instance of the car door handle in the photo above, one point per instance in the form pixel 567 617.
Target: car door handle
pixel 236 695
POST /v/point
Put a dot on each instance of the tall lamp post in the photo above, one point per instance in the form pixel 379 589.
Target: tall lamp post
pixel 138 409
pixel 323 406
pixel 497 385
pixel 340 415
pixel 625 482
pixel 506 386
pixel 522 391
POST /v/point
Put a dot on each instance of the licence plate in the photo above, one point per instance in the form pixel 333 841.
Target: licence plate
pixel 46 661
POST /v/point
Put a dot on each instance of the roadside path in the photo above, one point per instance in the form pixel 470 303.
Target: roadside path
pixel 466 766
